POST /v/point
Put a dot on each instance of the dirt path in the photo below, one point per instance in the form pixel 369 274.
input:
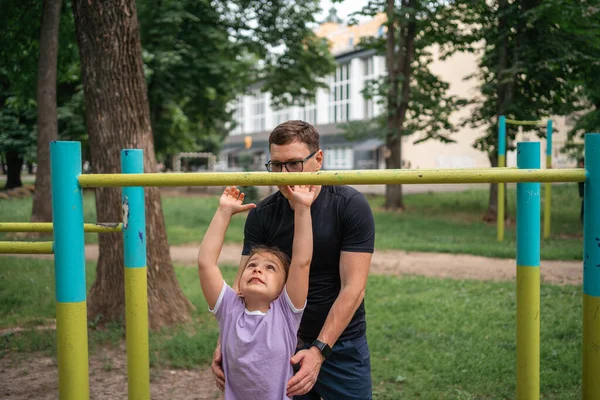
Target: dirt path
pixel 396 262
pixel 35 376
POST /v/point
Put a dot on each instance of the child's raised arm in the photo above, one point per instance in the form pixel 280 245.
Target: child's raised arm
pixel 302 197
pixel 211 279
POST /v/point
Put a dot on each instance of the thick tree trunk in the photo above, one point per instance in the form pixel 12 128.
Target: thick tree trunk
pixel 47 123
pixel 118 117
pixel 398 106
pixel 393 193
pixel 505 87
pixel 14 165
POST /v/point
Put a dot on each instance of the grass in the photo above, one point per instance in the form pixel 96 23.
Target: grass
pixel 429 338
pixel 432 222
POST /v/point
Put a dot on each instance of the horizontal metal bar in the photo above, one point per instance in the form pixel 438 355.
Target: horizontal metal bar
pixel 517 122
pixel 48 227
pixel 354 177
pixel 26 247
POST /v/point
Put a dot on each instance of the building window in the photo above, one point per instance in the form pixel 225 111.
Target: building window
pixel 339 95
pixel 369 75
pixel 281 116
pixel 350 42
pixel 257 107
pixel 238 116
pixel 339 158
pixel 309 113
pixel 381 31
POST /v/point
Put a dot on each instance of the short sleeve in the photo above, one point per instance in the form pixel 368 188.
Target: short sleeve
pixel 227 302
pixel 292 315
pixel 358 226
pixel 253 234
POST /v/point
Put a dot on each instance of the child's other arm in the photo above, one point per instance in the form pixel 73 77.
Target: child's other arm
pixel 302 250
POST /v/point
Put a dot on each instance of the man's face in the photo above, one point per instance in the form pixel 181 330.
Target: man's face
pixel 293 153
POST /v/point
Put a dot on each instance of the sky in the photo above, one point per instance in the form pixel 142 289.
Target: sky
pixel 344 9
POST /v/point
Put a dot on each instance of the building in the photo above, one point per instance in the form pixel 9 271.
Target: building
pixel 345 102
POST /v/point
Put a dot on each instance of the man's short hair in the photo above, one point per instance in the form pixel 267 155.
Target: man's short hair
pixel 295 131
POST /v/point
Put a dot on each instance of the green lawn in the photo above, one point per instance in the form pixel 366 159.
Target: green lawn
pixel 432 222
pixel 429 338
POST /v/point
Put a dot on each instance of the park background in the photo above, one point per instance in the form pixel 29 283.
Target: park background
pixel 214 77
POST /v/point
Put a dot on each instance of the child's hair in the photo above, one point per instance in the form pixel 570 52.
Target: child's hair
pixel 283 258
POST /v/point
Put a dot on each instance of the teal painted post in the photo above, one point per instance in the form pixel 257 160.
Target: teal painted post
pixel 501 186
pixel 136 284
pixel 69 265
pixel 528 276
pixel 502 136
pixel 591 269
pixel 549 138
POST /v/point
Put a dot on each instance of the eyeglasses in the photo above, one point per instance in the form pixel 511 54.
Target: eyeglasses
pixel 290 166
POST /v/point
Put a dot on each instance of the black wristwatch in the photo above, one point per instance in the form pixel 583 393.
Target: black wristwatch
pixel 323 348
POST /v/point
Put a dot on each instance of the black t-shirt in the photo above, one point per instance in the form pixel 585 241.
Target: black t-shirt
pixel 342 221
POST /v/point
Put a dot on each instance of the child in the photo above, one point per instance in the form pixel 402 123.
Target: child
pixel 259 324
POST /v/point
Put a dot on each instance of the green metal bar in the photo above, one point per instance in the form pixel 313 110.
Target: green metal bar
pixel 355 177
pixel 26 247
pixel 49 227
pixel 517 122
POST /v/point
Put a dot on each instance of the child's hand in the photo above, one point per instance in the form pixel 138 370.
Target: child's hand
pixel 231 201
pixel 302 195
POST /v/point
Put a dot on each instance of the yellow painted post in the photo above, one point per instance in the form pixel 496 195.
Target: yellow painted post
pixel 591 270
pixel 548 185
pixel 69 267
pixel 136 285
pixel 528 277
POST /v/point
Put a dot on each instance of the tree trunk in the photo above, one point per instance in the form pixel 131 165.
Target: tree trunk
pixel 47 123
pixel 398 106
pixel 118 117
pixel 393 193
pixel 14 165
pixel 505 87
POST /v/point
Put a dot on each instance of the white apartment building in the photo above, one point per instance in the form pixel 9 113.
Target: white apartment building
pixel 345 102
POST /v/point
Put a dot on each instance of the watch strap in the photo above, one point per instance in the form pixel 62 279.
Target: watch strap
pixel 324 348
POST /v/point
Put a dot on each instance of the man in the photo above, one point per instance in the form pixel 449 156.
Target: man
pixel 332 359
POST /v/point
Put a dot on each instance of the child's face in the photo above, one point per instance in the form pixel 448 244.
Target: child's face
pixel 263 277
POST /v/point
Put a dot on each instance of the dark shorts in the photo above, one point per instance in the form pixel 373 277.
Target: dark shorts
pixel 346 374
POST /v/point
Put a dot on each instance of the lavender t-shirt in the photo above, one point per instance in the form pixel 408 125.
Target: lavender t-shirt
pixel 256 346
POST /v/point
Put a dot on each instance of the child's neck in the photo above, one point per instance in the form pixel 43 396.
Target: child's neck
pixel 261 305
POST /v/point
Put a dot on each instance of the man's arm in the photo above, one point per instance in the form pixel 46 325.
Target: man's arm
pixel 354 270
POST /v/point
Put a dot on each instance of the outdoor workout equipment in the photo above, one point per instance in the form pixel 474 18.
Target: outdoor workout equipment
pixel 502 121
pixel 69 258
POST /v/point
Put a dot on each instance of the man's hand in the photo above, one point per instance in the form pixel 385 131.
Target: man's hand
pixel 310 364
pixel 217 369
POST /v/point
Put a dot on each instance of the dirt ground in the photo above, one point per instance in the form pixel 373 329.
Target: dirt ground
pixel 36 376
